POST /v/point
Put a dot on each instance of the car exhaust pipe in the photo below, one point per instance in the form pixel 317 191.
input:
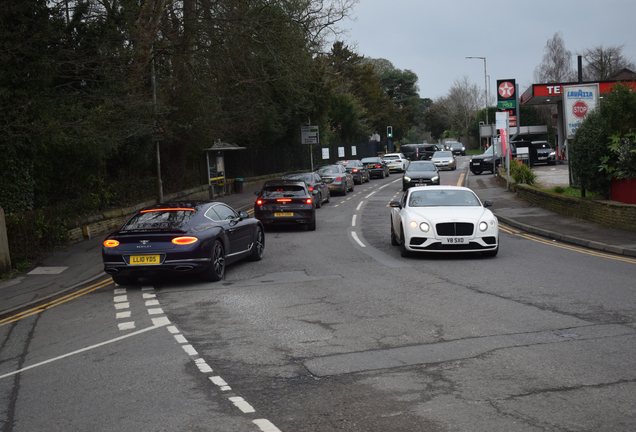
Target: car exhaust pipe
pixel 111 270
pixel 183 268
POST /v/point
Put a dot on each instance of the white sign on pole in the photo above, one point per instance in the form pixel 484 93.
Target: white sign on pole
pixel 353 151
pixel 325 153
pixel 341 153
pixel 309 134
pixel 578 102
pixel 501 120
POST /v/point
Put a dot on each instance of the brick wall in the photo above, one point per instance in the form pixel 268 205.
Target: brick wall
pixel 609 213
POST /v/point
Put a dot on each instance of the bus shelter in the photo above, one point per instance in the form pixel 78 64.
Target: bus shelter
pixel 218 184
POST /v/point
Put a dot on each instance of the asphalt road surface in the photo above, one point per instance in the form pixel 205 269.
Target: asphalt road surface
pixel 333 330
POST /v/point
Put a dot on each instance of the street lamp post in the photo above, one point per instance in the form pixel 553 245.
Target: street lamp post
pixel 485 89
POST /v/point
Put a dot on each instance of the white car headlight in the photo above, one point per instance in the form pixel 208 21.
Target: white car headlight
pixel 483 226
pixel 435 178
pixel 413 224
pixel 406 178
pixel 425 227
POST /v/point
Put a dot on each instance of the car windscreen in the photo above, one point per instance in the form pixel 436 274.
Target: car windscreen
pixel 371 160
pixel 541 145
pixel 281 191
pixel 456 145
pixel 351 164
pixel 163 219
pixel 391 157
pixel 438 154
pixel 442 198
pixel 306 177
pixel 422 167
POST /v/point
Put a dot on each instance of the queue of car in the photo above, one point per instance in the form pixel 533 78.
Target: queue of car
pixel 201 238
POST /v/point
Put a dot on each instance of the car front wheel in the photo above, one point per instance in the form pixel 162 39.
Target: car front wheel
pixel 404 252
pixel 394 240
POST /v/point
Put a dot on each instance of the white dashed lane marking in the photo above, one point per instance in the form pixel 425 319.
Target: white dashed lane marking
pixel 150 301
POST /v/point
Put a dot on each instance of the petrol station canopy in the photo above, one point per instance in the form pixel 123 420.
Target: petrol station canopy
pixel 545 94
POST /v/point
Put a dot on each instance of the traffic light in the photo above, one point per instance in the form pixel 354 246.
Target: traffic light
pixel 389 131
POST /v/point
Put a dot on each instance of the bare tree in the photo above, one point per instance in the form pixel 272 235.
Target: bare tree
pixel 556 65
pixel 604 62
pixel 461 105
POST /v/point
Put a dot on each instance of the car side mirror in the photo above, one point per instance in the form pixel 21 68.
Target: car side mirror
pixel 395 204
pixel 257 192
pixel 487 203
pixel 314 192
pixel 243 215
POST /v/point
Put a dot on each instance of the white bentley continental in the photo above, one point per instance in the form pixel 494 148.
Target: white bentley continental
pixel 443 219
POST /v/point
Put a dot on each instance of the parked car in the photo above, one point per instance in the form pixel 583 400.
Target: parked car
pixel 457 148
pixel 314 182
pixel 415 152
pixel 443 219
pixel 357 170
pixel 545 152
pixel 284 202
pixel 180 238
pixel 484 161
pixel 444 160
pixel 377 167
pixel 396 161
pixel 420 173
pixel 336 177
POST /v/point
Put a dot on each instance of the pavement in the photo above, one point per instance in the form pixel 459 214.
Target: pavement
pixel 80 264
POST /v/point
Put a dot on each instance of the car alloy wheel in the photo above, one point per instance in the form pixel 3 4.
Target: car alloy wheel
pixel 258 247
pixel 216 271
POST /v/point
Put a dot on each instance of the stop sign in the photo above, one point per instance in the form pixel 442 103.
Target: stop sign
pixel 579 109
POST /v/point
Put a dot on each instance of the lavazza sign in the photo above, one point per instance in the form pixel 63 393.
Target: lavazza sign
pixel 578 101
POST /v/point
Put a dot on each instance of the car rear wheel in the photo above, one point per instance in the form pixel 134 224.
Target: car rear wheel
pixel 345 190
pixel 311 226
pixel 328 196
pixel 216 271
pixel 319 201
pixel 259 245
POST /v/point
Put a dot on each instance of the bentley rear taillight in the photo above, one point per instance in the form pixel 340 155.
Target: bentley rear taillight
pixel 184 240
pixel 111 243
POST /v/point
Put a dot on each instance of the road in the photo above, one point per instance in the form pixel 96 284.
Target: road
pixel 333 330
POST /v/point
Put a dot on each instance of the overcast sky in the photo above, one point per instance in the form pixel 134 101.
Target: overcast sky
pixel 433 38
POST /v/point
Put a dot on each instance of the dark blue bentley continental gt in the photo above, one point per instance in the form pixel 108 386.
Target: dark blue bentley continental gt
pixel 196 237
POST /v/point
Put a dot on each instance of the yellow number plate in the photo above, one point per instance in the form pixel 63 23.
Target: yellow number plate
pixel 286 214
pixel 144 259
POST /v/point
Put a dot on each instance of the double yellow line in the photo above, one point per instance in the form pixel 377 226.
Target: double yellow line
pixel 566 246
pixel 56 302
